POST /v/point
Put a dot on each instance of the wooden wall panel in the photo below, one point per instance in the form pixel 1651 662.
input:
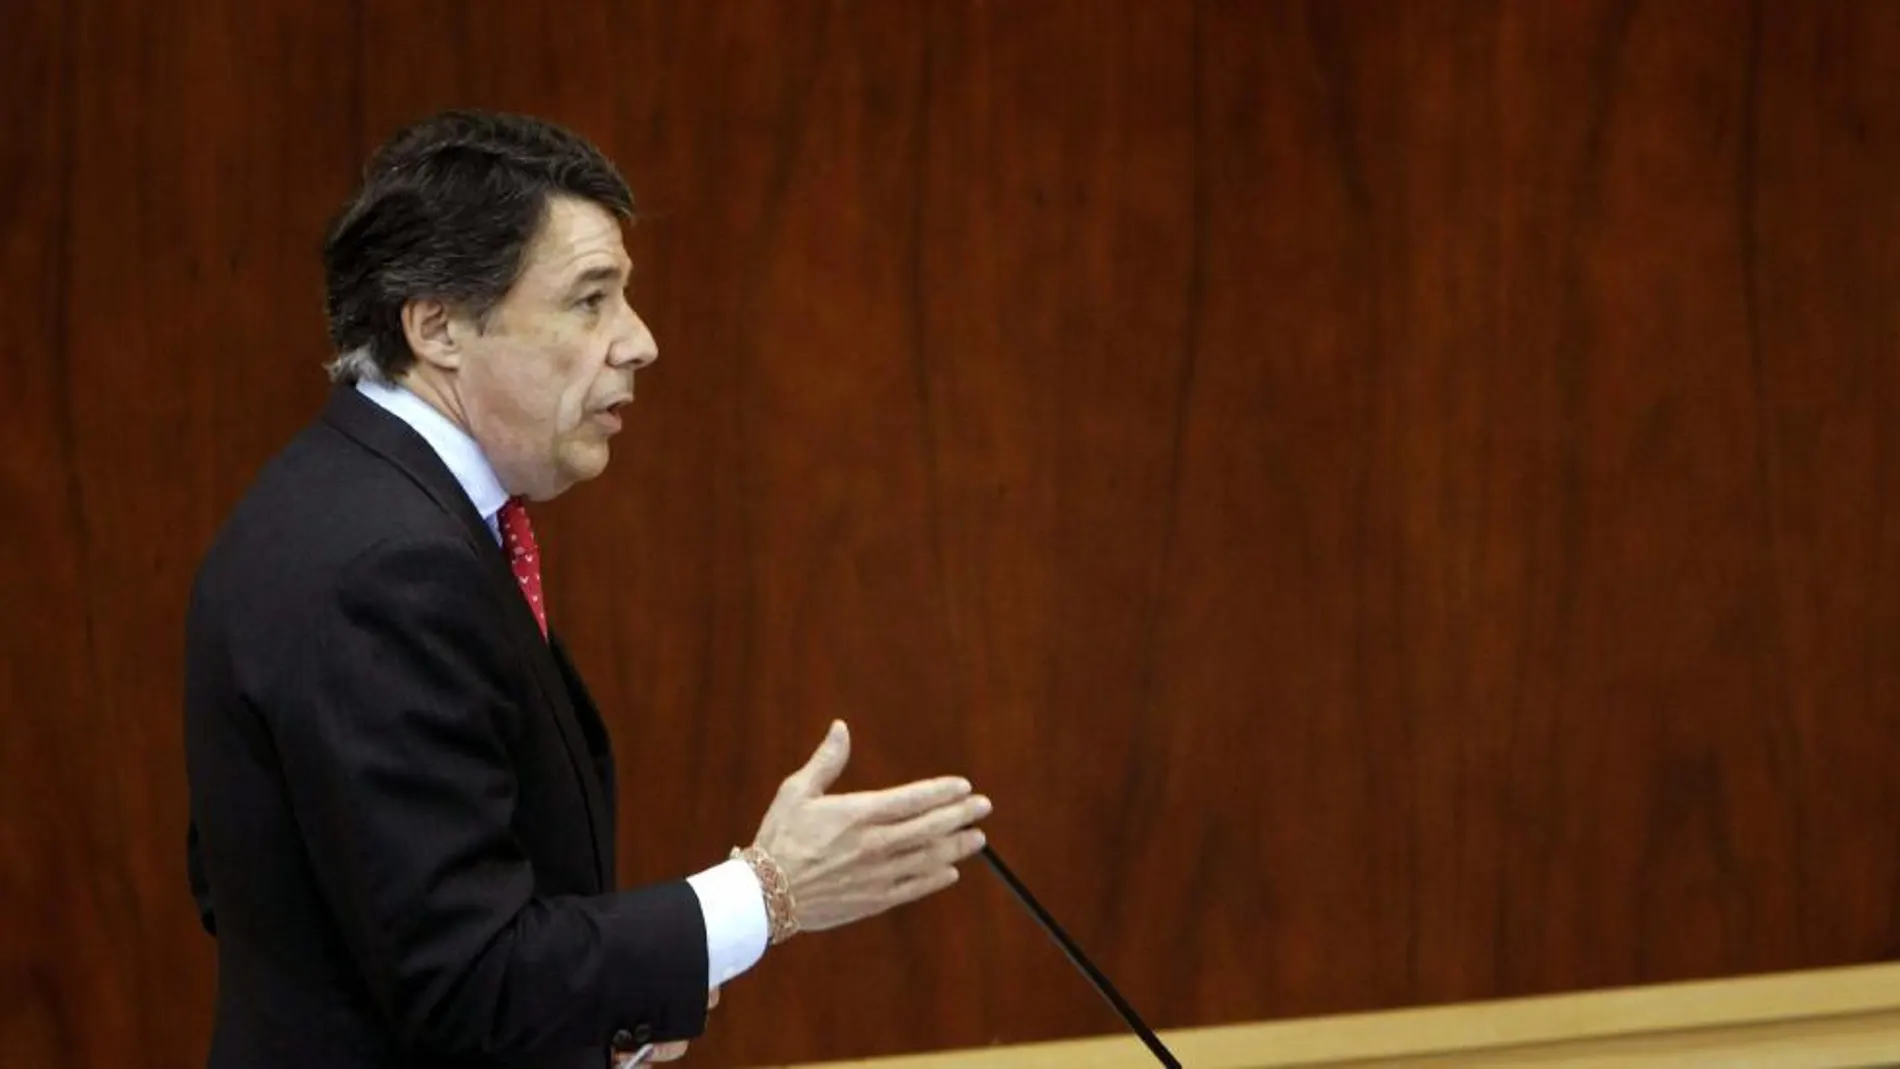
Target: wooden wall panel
pixel 184 189
pixel 1396 501
pixel 55 961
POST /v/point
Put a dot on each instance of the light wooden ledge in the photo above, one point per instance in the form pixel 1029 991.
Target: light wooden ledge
pixel 1846 1018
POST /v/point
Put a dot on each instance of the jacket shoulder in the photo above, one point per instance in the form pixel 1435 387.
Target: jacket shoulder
pixel 282 556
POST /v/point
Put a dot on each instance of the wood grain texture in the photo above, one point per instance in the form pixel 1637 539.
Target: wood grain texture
pixel 1396 501
pixel 1841 1018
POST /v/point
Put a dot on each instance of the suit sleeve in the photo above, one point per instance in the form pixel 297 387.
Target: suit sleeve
pixel 391 723
pixel 200 886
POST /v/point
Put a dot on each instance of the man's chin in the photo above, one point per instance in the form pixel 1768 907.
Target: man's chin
pixel 586 462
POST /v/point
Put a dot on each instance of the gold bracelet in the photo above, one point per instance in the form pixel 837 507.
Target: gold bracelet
pixel 780 910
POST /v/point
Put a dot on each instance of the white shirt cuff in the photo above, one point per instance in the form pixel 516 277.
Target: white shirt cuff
pixel 736 925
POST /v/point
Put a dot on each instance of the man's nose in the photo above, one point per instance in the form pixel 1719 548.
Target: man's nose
pixel 636 347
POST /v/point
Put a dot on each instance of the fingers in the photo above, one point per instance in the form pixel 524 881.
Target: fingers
pixel 665 1052
pixel 911 799
pixel 825 765
pixel 925 870
pixel 949 851
pixel 923 885
pixel 668 1052
pixel 935 824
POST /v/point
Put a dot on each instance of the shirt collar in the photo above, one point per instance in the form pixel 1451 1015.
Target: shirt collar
pixel 459 452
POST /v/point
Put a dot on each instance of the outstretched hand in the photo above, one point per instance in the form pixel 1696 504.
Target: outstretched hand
pixel 852 856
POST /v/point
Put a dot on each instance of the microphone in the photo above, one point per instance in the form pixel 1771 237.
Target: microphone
pixel 1081 961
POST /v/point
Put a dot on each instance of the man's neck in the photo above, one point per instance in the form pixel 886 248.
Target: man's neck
pixel 436 392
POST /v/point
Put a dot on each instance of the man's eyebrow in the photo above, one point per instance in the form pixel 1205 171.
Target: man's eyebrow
pixel 594 275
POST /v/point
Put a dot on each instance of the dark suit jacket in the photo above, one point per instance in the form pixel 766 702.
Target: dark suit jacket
pixel 402 797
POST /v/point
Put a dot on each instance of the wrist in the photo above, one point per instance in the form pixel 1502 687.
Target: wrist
pixel 781 911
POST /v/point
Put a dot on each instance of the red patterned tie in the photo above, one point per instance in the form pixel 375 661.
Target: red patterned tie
pixel 517 539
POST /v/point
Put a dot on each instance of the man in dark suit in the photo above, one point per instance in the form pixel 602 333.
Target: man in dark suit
pixel 402 797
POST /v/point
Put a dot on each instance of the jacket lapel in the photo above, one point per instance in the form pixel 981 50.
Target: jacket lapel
pixel 394 441
pixel 594 729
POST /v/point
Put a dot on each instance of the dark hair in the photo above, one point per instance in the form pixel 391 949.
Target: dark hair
pixel 446 210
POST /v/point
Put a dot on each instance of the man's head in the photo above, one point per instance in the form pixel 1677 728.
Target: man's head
pixel 481 264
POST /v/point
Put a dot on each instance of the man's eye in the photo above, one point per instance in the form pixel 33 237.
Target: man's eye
pixel 593 301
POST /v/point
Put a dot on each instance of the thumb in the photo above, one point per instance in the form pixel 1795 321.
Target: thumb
pixel 828 761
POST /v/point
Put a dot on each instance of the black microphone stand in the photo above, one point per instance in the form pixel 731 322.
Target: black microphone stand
pixel 1081 961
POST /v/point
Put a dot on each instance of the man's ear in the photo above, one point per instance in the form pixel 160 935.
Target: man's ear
pixel 431 329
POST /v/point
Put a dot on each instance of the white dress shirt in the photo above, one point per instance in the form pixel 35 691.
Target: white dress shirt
pixel 729 894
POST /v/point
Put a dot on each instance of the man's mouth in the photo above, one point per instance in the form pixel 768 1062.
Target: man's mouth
pixel 609 414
